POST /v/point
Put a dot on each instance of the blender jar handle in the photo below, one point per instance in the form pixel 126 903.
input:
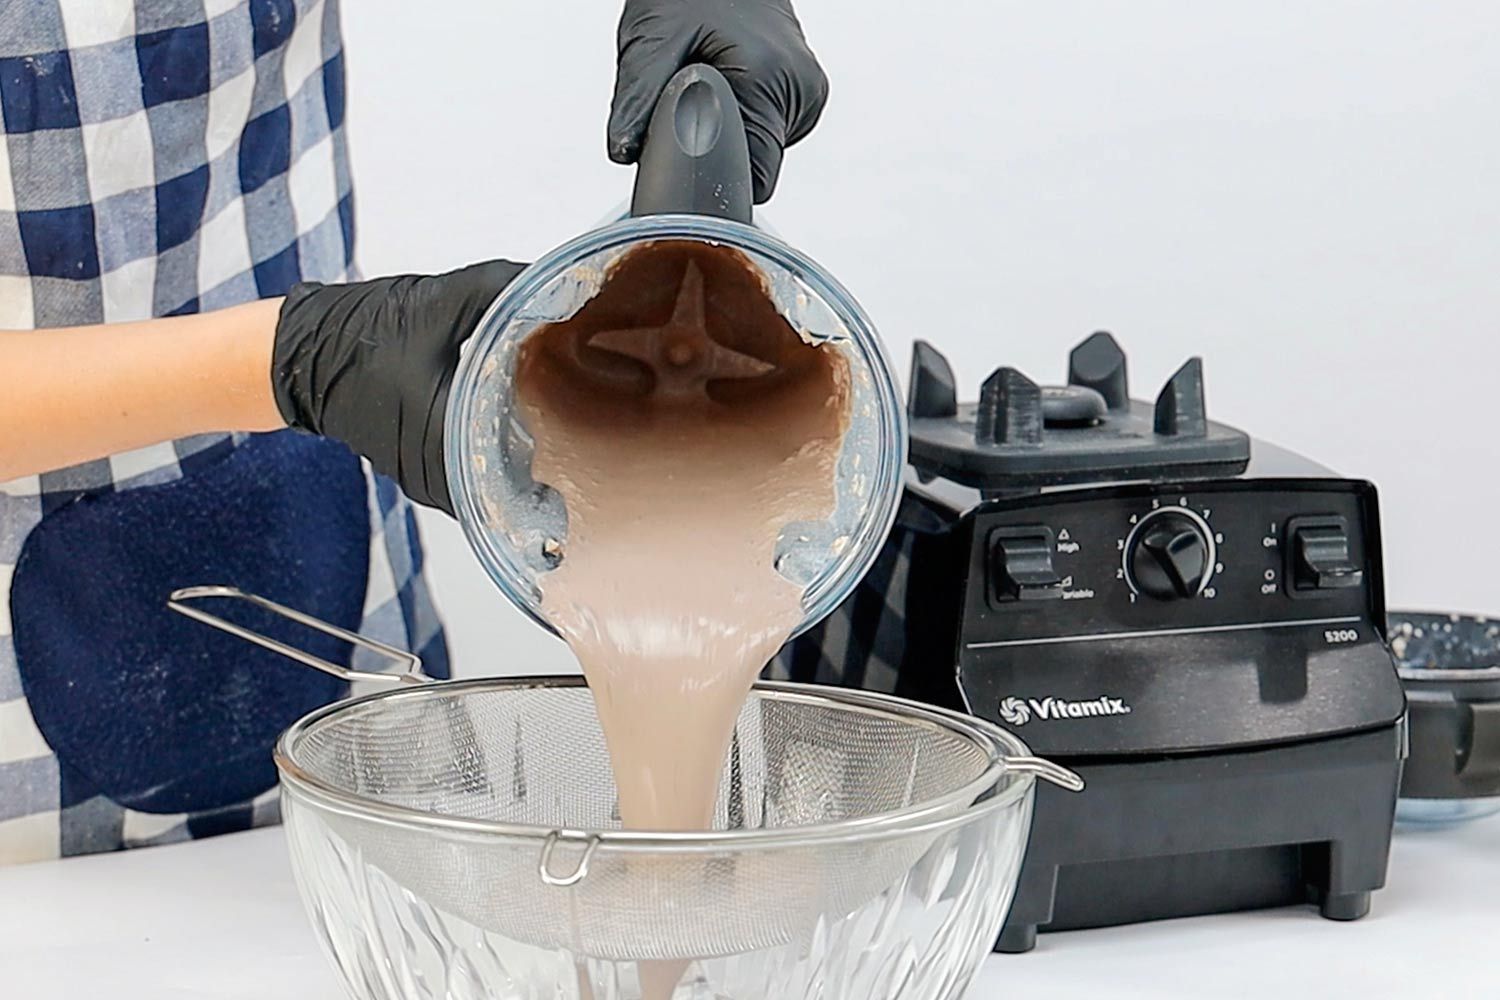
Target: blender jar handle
pixel 695 159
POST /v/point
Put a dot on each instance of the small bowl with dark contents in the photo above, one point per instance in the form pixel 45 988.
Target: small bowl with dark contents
pixel 1450 667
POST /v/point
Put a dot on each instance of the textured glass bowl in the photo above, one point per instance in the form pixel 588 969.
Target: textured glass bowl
pixel 509 519
pixel 865 849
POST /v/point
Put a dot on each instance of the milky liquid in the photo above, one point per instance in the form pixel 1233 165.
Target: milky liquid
pixel 685 424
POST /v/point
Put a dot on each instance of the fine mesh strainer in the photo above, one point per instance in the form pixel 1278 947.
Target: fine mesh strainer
pixel 490 804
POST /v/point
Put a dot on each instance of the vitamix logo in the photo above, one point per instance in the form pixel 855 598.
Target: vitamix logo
pixel 1019 711
pixel 1015 711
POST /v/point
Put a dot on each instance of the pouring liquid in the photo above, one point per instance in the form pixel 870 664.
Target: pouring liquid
pixel 685 425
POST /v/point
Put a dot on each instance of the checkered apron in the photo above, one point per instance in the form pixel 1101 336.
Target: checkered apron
pixel 163 157
pixel 892 633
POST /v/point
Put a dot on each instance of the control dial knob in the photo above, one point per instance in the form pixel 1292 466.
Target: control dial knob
pixel 1170 555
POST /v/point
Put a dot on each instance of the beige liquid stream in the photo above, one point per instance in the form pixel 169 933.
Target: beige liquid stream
pixel 684 424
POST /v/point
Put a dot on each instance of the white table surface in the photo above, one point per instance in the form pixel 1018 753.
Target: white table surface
pixel 220 919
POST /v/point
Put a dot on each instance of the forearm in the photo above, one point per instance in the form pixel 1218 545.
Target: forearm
pixel 71 395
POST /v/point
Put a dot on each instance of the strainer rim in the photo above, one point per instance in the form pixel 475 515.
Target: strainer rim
pixel 1001 746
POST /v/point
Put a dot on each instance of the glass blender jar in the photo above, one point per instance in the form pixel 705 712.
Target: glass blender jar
pixel 692 184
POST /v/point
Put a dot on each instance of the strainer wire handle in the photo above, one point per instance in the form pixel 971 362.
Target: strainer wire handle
pixel 1046 770
pixel 411 663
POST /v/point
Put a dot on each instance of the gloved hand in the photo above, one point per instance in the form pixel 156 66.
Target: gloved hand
pixel 370 364
pixel 756 44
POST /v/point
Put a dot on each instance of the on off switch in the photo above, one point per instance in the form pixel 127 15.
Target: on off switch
pixel 1021 564
pixel 1320 556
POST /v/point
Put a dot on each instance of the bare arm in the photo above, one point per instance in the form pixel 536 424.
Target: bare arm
pixel 71 395
pixel 368 364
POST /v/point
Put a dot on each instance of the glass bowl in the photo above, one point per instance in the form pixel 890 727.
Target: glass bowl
pixel 459 841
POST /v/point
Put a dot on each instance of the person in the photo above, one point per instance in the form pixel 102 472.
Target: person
pixel 198 387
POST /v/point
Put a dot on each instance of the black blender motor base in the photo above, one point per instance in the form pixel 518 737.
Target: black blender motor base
pixel 1118 863
pixel 1241 743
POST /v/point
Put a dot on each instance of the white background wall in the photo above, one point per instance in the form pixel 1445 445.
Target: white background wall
pixel 1305 193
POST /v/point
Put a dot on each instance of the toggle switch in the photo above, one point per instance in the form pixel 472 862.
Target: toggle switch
pixel 1021 564
pixel 1320 556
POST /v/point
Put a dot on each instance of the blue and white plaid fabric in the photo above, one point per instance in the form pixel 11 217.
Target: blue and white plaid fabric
pixel 162 157
pixel 876 638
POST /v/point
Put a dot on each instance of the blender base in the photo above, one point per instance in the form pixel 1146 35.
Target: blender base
pixel 1281 826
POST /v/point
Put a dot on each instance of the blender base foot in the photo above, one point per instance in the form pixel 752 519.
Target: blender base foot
pixel 1345 905
pixel 1015 940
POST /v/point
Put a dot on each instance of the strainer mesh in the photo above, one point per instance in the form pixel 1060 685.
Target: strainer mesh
pixel 535 755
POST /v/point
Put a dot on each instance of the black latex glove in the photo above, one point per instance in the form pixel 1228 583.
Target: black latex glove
pixel 370 364
pixel 756 44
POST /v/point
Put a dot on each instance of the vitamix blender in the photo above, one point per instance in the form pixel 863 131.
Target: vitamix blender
pixel 1191 620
